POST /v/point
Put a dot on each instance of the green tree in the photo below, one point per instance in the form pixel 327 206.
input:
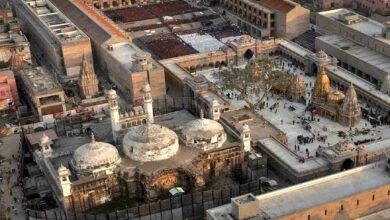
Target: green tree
pixel 258 73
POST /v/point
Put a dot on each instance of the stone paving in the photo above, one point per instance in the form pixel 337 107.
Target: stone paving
pixel 11 195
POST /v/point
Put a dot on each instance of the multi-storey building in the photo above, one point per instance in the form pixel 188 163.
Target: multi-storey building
pixel 57 42
pixel 8 91
pixel 43 92
pixel 14 47
pixel 265 18
pixel 352 194
pixel 360 44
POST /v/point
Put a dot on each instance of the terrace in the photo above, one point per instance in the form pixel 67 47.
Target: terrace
pixel 54 20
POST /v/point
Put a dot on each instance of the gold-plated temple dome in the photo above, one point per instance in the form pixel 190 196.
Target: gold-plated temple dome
pixel 335 97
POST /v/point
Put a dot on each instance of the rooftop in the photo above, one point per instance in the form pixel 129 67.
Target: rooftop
pixel 39 81
pixel 54 20
pixel 123 51
pixel 317 192
pixel 364 25
pixel 363 54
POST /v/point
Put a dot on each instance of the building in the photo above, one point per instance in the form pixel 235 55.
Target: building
pixel 268 18
pixel 348 195
pixel 334 104
pixel 14 47
pixel 373 7
pixel 42 91
pixel 323 5
pixel 361 45
pixel 9 97
pixel 126 65
pixel 57 42
pixel 83 172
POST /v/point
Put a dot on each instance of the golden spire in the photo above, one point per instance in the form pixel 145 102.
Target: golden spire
pixel 322 85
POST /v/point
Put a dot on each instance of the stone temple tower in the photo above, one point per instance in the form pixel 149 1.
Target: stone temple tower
pixel 112 98
pixel 350 111
pixel 88 82
pixel 148 102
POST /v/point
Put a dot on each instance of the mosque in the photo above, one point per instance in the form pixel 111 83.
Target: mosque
pixel 153 155
pixel 340 107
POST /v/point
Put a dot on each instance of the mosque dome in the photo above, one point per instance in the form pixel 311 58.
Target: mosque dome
pixel 150 142
pixel 45 140
pixel 94 156
pixel 203 133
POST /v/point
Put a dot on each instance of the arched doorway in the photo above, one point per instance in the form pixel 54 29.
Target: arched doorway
pixel 248 54
pixel 347 164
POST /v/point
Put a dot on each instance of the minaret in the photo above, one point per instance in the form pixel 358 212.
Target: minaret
pixel 65 184
pixel 215 112
pixel 245 135
pixel 45 144
pixel 112 98
pixel 148 102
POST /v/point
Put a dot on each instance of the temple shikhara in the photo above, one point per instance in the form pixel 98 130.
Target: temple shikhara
pixel 333 103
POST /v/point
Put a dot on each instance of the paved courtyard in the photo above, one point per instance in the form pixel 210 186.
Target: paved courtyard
pixel 293 119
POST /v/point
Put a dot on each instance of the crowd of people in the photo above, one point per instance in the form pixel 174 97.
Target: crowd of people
pixel 11 196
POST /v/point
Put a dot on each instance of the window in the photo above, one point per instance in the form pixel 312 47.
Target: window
pixel 373 197
pixel 341 207
pixel 357 202
pixel 388 193
pixel 308 217
pixel 326 212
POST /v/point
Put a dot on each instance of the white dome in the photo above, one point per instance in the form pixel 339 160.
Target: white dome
pixel 204 133
pixel 150 142
pixel 93 156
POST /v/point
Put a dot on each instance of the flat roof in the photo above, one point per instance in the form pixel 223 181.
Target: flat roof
pixel 39 81
pixel 301 51
pixel 364 54
pixel 291 159
pixel 55 21
pixel 123 51
pixel 316 192
pixel 359 83
pixel 366 25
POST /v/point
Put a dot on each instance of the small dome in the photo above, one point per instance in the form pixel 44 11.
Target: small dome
pixel 111 92
pixel 244 128
pixel 150 142
pixel 322 55
pixel 147 88
pixel 44 139
pixel 203 133
pixel 335 97
pixel 95 155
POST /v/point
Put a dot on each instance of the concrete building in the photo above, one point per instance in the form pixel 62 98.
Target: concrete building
pixel 323 5
pixel 43 92
pixel 348 195
pixel 268 18
pixel 127 66
pixel 361 45
pixel 370 7
pixel 9 96
pixel 57 42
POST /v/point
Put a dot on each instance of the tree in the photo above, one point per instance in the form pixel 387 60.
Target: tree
pixel 258 73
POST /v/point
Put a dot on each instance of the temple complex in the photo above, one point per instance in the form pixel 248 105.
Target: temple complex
pixel 334 104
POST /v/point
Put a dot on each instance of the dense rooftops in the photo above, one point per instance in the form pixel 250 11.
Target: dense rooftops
pixel 39 81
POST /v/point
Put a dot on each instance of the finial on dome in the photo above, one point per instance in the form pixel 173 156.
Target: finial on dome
pixel 201 114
